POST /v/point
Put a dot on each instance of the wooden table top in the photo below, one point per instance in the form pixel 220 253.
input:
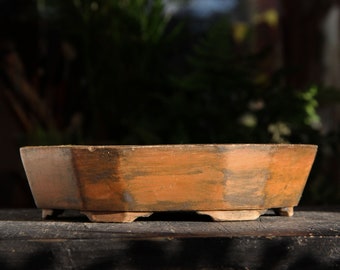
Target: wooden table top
pixel 308 240
pixel 305 222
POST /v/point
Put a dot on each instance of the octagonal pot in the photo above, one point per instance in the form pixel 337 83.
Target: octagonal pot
pixel 120 183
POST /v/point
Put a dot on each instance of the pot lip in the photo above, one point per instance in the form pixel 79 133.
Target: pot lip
pixel 167 146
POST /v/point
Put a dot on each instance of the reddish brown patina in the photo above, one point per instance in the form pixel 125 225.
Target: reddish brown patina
pixel 120 183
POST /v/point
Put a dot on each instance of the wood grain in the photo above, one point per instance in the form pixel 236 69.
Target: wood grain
pixel 309 240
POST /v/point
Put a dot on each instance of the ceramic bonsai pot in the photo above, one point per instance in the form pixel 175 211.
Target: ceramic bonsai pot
pixel 121 183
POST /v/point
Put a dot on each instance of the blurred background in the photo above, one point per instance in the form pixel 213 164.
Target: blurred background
pixel 170 71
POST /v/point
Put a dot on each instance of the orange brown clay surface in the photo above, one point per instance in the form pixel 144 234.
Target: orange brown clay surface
pixel 121 183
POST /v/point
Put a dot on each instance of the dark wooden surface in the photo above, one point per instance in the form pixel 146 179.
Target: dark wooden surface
pixel 309 240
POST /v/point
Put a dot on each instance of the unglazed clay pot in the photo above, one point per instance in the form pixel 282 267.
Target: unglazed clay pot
pixel 121 183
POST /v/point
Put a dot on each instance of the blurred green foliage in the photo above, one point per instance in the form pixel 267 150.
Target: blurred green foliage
pixel 124 49
pixel 141 77
pixel 231 99
pixel 137 87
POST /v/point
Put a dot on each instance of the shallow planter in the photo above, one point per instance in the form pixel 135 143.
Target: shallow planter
pixel 121 183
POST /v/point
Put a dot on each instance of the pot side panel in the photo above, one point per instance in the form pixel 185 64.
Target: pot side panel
pixel 51 177
pixel 289 170
pixel 173 179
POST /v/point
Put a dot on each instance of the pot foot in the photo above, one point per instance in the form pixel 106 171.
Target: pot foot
pixel 233 215
pixel 115 216
pixel 51 213
pixel 284 211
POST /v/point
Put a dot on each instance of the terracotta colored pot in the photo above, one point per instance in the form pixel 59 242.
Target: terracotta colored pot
pixel 121 183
